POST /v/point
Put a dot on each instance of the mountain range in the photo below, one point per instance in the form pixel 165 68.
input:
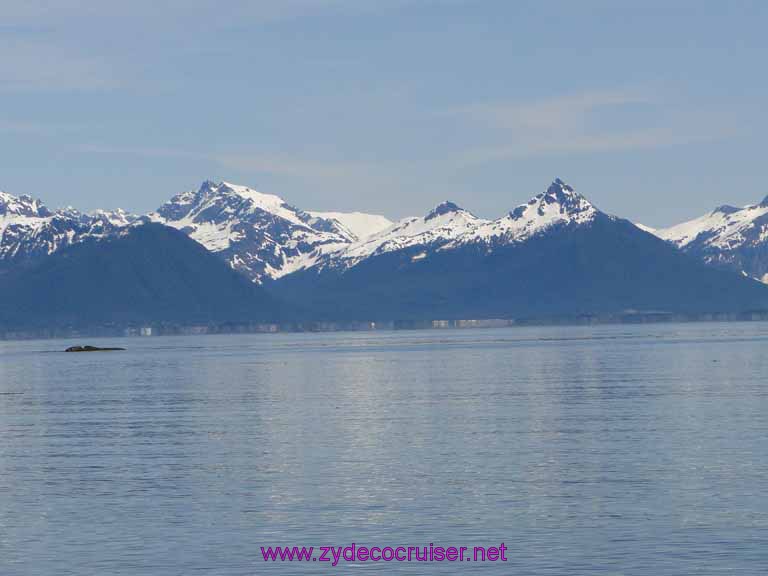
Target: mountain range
pixel 557 255
pixel 30 231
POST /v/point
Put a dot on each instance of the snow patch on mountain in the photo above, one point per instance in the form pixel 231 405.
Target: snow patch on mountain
pixel 29 230
pixel 725 228
pixel 116 218
pixel 359 224
pixel 735 238
pixel 444 223
pixel 645 228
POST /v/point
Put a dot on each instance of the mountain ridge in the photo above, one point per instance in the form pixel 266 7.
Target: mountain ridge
pixel 606 266
pixel 727 237
pixel 258 234
pixel 145 274
pixel 30 231
pixel 265 238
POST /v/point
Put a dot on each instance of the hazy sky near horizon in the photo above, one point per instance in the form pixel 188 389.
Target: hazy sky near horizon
pixel 654 110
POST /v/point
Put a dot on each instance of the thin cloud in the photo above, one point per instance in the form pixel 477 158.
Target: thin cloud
pixel 145 152
pixel 246 162
pixel 36 128
pixel 566 124
pixel 27 65
pixel 24 13
pixel 291 165
pixel 549 114
pixel 71 45
pixel 616 142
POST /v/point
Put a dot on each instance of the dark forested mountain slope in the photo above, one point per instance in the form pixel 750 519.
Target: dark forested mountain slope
pixel 583 263
pixel 147 273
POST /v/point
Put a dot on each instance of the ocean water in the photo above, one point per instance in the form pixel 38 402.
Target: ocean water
pixel 637 450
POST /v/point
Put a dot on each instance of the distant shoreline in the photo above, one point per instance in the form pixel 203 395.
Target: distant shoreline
pixel 168 329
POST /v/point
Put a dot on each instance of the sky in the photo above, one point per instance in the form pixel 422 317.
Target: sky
pixel 654 110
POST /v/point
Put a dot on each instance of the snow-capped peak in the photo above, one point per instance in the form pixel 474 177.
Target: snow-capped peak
pixel 448 226
pixel 23 205
pixel 560 204
pixel 117 218
pixel 727 209
pixel 731 237
pixel 28 230
pixel 725 228
pixel 446 222
pixel 260 234
pixel 212 202
pixel 446 207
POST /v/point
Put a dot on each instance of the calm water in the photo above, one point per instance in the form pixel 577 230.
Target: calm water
pixel 611 450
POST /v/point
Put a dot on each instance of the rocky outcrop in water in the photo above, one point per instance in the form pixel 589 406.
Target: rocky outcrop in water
pixel 90 349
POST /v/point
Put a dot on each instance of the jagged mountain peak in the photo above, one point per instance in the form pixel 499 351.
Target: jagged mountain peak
pixel 559 186
pixel 726 227
pixel 445 223
pixel 726 209
pixel 29 231
pixel 559 198
pixel 212 188
pixel 446 207
pixel 116 218
pixel 23 205
pixel 214 202
pixel 207 186
pixel 259 234
pixel 559 204
pixel 449 226
pixel 730 237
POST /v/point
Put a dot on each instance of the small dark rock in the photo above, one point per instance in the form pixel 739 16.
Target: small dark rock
pixel 90 349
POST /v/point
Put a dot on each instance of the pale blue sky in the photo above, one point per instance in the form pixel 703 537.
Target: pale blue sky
pixel 654 110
